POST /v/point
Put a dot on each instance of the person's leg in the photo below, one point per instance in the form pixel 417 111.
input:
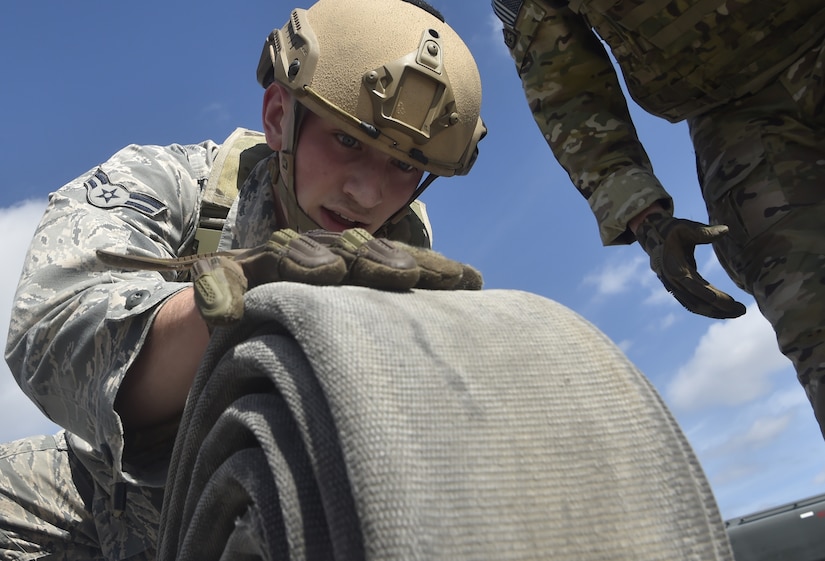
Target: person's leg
pixel 45 502
pixel 761 163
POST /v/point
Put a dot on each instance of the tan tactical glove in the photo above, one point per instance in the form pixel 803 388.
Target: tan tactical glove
pixel 367 259
pixel 321 258
pixel 670 243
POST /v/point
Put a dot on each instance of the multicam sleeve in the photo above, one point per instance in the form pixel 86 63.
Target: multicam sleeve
pixel 76 326
pixel 575 98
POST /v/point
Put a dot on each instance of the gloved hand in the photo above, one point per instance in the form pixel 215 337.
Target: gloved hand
pixel 322 258
pixel 393 265
pixel 221 278
pixel 670 243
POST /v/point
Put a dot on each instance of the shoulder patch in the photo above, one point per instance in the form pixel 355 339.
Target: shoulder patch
pixel 102 193
pixel 507 11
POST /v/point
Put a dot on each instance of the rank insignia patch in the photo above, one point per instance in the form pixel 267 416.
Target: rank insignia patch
pixel 507 11
pixel 102 193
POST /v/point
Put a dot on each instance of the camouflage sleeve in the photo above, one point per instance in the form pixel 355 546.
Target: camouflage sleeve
pixel 574 96
pixel 75 326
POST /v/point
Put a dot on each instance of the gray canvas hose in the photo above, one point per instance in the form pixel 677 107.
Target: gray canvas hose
pixel 351 423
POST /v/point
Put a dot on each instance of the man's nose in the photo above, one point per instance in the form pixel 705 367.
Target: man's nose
pixel 366 184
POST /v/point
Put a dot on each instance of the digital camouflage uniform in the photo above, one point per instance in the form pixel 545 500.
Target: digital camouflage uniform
pixel 747 75
pixel 91 491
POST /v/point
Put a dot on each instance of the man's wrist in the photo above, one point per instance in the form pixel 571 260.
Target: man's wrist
pixel 637 220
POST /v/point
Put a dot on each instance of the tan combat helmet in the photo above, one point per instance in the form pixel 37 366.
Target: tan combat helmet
pixel 391 74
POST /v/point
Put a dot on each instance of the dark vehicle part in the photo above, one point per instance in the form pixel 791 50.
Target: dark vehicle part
pixel 789 532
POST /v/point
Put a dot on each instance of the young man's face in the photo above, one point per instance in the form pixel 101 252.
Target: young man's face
pixel 341 183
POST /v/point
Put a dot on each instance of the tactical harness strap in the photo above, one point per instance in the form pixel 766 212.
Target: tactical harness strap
pixel 236 158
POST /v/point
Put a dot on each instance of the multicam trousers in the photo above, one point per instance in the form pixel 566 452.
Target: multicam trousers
pixel 761 164
pixel 51 508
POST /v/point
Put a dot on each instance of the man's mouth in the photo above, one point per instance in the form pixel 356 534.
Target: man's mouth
pixel 344 221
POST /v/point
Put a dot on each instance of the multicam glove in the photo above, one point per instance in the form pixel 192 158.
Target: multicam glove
pixel 670 243
pixel 319 257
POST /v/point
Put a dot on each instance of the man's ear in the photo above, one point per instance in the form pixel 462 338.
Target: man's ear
pixel 277 112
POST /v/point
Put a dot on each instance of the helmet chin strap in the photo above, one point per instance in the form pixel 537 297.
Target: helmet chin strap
pixel 290 213
pixel 289 144
pixel 404 210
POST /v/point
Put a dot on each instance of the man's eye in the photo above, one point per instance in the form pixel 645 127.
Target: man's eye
pixel 347 140
pixel 403 166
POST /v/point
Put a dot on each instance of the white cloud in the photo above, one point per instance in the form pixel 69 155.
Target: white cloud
pixel 217 112
pixel 495 30
pixel 734 474
pixel 657 295
pixel 711 265
pixel 733 434
pixel 630 271
pixel 625 345
pixel 617 276
pixel 731 365
pixel 17 224
pixel 18 415
pixel 789 396
pixel 766 429
pixel 668 320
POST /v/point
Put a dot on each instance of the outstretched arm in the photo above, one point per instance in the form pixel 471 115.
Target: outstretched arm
pixel 574 95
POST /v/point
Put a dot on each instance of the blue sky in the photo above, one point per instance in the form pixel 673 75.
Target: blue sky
pixel 83 79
